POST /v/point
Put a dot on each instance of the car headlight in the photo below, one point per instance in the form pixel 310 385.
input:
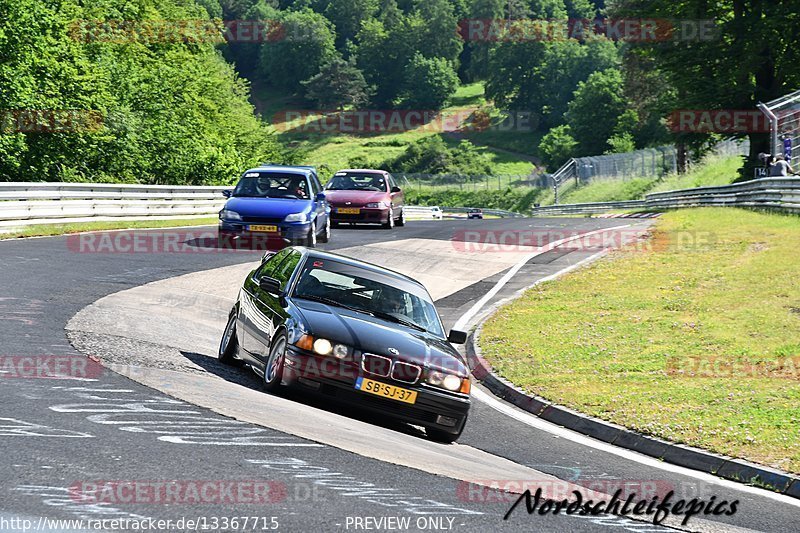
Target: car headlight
pixel 377 205
pixel 323 347
pixel 449 382
pixel 296 217
pixel 227 214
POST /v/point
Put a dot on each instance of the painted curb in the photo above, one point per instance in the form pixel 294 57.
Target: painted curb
pixel 677 454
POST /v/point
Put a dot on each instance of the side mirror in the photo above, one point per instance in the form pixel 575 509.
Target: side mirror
pixel 227 193
pixel 396 189
pixel 457 337
pixel 271 285
pixel 320 196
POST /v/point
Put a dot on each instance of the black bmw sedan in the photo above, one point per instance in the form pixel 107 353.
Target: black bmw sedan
pixel 355 331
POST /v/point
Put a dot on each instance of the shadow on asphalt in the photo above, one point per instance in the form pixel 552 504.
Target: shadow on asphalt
pixel 242 374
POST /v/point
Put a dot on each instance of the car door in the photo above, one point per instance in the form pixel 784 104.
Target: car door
pixel 249 316
pixel 270 313
pixel 321 207
pixel 398 198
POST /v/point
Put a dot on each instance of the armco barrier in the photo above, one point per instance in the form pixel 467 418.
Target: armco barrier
pixel 53 201
pixel 781 194
pixel 50 202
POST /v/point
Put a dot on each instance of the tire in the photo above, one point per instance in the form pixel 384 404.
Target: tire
pixel 273 368
pixel 326 233
pixel 311 238
pixel 229 345
pixel 402 220
pixel 438 435
pixel 389 224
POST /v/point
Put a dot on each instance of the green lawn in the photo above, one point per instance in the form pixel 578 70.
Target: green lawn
pixel 698 344
pixel 334 151
pixel 77 227
pixel 714 171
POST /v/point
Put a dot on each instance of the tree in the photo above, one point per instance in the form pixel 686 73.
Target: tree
pixel 429 82
pixel 557 147
pixel 308 44
pixel 347 17
pixel 172 112
pixel 750 56
pixel 595 111
pixel 338 84
pixel 436 30
pixel 382 53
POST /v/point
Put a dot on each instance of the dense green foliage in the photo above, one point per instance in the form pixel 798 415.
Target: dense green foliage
pixel 175 111
pixel 169 112
pixel 432 155
pixel 750 56
pixel 516 200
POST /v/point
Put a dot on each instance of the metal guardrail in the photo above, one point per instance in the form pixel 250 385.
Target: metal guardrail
pixel 769 193
pixel 587 208
pixel 46 201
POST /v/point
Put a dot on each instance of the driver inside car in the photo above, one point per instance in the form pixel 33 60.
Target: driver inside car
pixel 392 301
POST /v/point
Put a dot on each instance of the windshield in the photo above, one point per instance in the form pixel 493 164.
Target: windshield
pixel 272 185
pixel 385 297
pixel 357 182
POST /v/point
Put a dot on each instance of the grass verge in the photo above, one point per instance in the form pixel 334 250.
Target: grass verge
pixel 45 230
pixel 698 344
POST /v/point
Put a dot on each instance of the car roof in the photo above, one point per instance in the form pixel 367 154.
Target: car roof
pixel 319 254
pixel 278 169
pixel 362 170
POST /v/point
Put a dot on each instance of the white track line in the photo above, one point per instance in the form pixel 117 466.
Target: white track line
pixel 579 438
pixel 466 317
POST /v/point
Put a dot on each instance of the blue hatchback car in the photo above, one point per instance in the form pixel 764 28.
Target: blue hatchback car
pixel 277 201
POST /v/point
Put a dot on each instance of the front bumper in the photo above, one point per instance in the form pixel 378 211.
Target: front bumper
pixel 365 215
pixel 287 231
pixel 333 378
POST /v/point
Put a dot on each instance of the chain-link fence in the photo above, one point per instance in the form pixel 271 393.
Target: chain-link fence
pixel 646 163
pixel 470 182
pixel 784 119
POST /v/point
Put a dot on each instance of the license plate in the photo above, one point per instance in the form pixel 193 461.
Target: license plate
pixel 349 210
pixel 387 391
pixel 270 229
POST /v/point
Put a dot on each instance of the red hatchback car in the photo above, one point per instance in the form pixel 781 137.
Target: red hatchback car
pixel 363 196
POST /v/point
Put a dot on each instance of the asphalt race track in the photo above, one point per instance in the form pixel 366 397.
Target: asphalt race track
pixel 155 318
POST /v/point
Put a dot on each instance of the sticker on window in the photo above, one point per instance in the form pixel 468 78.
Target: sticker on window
pixel 251 175
pixel 318 264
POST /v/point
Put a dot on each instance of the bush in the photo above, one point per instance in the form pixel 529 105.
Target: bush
pixel 429 82
pixel 431 155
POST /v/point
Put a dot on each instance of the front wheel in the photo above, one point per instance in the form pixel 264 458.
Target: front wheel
pixel 389 224
pixel 229 345
pixel 311 238
pixel 273 368
pixel 325 236
pixel 402 220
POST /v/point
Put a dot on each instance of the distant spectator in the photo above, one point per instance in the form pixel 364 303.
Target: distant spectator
pixel 780 167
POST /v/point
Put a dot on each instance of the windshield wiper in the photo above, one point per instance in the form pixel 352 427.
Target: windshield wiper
pixel 331 301
pixel 394 318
